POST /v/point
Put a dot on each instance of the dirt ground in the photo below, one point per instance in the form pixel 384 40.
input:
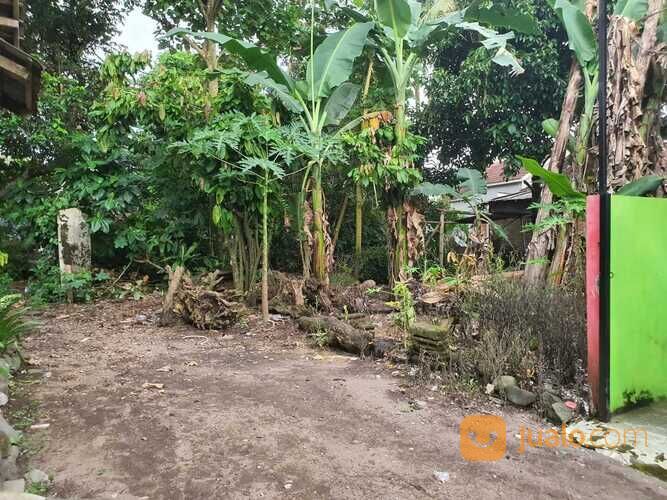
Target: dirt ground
pixel 258 413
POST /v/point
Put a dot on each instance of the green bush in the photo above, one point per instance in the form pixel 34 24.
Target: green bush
pixel 48 286
pixel 13 324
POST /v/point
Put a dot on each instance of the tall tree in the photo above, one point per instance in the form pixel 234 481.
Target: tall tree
pixel 67 35
pixel 474 114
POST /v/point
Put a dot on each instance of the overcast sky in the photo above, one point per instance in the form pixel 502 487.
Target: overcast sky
pixel 138 34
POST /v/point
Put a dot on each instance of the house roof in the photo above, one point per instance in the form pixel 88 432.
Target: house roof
pixel 495 174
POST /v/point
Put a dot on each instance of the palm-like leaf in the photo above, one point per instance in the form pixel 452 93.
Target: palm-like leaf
pixel 13 324
pixel 472 181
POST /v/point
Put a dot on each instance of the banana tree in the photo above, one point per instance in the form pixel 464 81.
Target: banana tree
pixel 469 191
pixel 322 100
pixel 542 261
pixel 583 43
pixel 406 27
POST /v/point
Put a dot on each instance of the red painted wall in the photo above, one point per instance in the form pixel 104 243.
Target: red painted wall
pixel 593 296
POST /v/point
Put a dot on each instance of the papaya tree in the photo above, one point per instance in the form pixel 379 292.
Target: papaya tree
pixel 249 156
pixel 322 101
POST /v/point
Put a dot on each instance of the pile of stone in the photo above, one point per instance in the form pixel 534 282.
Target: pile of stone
pixel 555 409
pixel 12 485
pixel 435 338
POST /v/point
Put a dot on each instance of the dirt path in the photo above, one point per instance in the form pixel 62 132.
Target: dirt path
pixel 264 416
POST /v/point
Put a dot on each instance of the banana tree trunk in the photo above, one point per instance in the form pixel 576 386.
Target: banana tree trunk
pixel 636 63
pixel 320 264
pixel 537 265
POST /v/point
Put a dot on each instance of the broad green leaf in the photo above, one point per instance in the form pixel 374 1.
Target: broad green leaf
pixel 280 90
pixel 500 17
pixel 472 181
pixel 559 184
pixel 395 14
pixel 334 59
pixel 341 101
pixel 216 215
pixel 632 9
pixel 255 57
pixel 498 229
pixel 580 33
pixel 640 187
pixel 551 126
pixel 433 190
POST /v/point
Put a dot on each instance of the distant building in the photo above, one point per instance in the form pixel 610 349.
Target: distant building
pixel 20 74
pixel 507 200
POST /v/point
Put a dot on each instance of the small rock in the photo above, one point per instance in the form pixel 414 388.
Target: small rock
pixel 7 495
pixel 547 398
pixel 166 368
pixel 288 486
pixel 520 397
pixel 559 413
pixel 503 382
pixel 490 388
pixel 36 476
pixel 8 429
pixel 419 405
pixel 15 486
pixel 441 476
pixel 39 427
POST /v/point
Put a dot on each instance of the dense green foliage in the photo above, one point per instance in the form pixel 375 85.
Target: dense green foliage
pixel 474 114
pixel 170 171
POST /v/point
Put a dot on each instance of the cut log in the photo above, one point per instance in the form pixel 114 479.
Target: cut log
pixel 168 316
pixel 199 305
pixel 339 333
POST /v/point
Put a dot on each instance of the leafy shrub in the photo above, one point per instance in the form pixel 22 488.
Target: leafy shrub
pixel 49 286
pixel 13 324
pixel 531 332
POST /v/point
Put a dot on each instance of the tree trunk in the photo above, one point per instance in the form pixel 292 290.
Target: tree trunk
pixel 636 62
pixel 338 333
pixel 265 249
pixel 167 316
pixel 321 248
pixel 339 222
pixel 542 242
pixel 358 227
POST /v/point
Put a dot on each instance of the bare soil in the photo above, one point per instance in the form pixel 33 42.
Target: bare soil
pixel 259 413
